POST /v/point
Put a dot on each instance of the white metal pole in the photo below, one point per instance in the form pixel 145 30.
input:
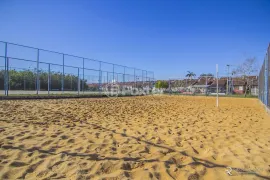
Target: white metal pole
pixel 217 83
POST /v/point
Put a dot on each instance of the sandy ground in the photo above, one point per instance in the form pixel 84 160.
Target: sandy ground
pixel 154 137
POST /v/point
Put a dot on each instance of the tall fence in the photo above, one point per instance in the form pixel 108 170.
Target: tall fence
pixel 264 79
pixel 29 70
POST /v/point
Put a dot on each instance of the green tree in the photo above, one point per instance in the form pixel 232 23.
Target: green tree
pixel 190 74
pixel 161 84
pixel 26 80
pixel 206 74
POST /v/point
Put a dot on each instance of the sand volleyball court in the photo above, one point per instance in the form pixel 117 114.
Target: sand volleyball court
pixel 154 137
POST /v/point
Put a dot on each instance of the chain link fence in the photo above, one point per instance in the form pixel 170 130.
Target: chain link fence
pixel 34 71
pixel 264 79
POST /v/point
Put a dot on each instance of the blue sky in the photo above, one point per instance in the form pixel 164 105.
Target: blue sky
pixel 167 37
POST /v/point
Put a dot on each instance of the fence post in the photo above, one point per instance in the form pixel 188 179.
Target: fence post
pixel 113 74
pixel 99 79
pixel 79 81
pixel 134 77
pixel 6 72
pixel 267 76
pixel 49 75
pixel 63 75
pixel 146 77
pixel 37 79
pixel 24 81
pixel 259 86
pixel 124 75
pixel 83 77
pixel 266 81
pixel 71 82
pixel 8 76
pixel 142 77
pixel 153 79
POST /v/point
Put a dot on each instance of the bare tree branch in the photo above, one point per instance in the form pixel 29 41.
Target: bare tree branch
pixel 247 69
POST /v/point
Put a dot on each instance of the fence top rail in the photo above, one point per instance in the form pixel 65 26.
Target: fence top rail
pixel 71 55
pixel 68 66
pixel 28 69
pixel 41 62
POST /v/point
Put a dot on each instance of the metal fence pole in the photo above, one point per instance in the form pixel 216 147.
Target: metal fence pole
pixel 134 77
pixel 124 75
pixel 267 77
pixel 113 73
pixel 262 93
pixel 268 59
pixel 266 82
pixel 63 75
pixel 107 77
pixel 83 77
pixel 49 75
pixel 6 71
pixel 146 77
pixel 7 76
pixel 71 83
pixel 100 89
pixel 259 85
pixel 228 66
pixel 37 78
pixel 99 79
pixel 142 77
pixel 262 81
pixel 24 81
pixel 79 81
pixel 153 79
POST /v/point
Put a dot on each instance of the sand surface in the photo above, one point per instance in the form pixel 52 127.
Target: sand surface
pixel 154 137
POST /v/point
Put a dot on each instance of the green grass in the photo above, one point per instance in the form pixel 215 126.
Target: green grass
pixel 53 96
pixel 231 95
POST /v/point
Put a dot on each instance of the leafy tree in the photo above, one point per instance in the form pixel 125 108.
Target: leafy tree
pixel 161 84
pixel 206 74
pixel 26 80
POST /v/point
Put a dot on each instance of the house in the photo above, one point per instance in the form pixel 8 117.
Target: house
pixel 200 89
pixel 93 86
pixel 236 85
pixel 239 85
pixel 202 84
pixel 222 85
pixel 182 85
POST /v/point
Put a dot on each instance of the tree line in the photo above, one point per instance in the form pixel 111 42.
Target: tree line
pixel 26 80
